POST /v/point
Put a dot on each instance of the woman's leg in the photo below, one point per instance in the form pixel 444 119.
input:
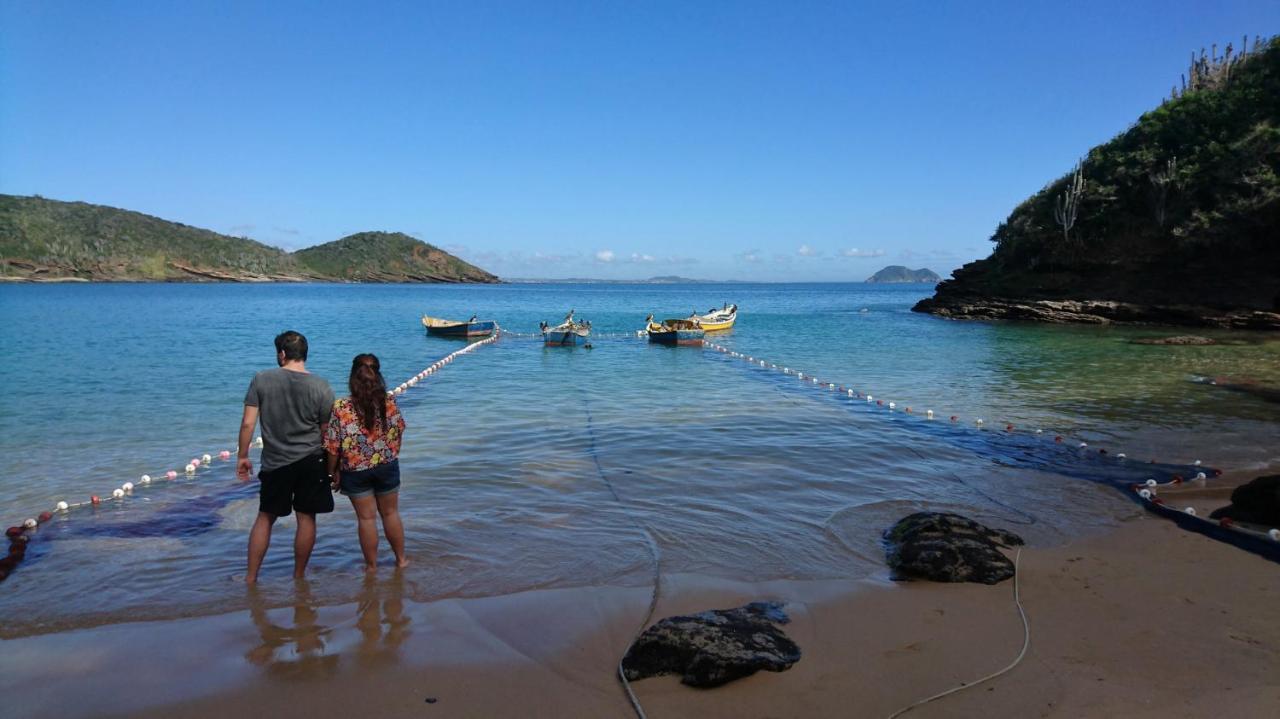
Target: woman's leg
pixel 389 508
pixel 367 519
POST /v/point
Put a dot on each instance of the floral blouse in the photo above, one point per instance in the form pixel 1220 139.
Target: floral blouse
pixel 357 448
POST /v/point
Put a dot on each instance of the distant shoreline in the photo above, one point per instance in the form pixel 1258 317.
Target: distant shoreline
pixel 334 281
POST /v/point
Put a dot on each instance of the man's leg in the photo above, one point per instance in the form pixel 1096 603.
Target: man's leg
pixel 303 542
pixel 259 540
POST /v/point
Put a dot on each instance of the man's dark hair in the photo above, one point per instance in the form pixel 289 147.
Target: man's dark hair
pixel 293 345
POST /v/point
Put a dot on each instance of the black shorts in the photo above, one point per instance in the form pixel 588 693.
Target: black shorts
pixel 303 485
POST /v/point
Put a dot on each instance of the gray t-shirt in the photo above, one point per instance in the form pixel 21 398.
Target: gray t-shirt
pixel 291 407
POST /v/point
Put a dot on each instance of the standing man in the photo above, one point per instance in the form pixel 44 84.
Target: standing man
pixel 292 405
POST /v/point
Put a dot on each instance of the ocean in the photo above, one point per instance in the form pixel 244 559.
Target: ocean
pixel 528 467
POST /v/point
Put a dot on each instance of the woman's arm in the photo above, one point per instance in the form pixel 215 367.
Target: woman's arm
pixel 331 467
pixel 331 432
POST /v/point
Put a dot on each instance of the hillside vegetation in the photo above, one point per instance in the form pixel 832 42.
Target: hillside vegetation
pixel 1183 208
pixel 42 239
pixel 77 239
pixel 388 257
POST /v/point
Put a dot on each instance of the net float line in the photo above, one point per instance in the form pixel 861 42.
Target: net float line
pixel 1257 539
pixel 20 535
pixel 1261 541
pixel 443 362
pixel 594 335
pixel 809 380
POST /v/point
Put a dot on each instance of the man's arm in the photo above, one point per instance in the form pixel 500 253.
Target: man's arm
pixel 244 466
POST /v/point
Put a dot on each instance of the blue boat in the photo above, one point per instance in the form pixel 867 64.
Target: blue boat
pixel 569 333
pixel 450 328
pixel 678 333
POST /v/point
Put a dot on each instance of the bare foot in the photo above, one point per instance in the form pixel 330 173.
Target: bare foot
pixel 402 562
pixel 370 568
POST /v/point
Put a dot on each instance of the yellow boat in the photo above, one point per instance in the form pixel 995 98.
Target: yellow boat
pixel 714 320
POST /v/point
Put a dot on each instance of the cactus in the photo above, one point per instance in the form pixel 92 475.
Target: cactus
pixel 1068 203
pixel 1209 71
pixel 1161 182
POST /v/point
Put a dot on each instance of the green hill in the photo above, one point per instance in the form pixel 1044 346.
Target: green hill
pixel 896 274
pixel 53 239
pixel 388 257
pixel 43 239
pixel 1176 220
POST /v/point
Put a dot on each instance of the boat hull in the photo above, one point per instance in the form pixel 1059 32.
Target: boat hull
pixel 460 329
pixel 677 338
pixel 562 339
pixel 717 326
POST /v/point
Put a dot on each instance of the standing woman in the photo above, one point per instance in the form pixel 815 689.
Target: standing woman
pixel 364 434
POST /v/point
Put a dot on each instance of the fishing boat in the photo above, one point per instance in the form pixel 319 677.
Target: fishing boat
pixel 568 333
pixel 675 332
pixel 451 328
pixel 717 319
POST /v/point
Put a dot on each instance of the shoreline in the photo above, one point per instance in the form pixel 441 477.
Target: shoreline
pixel 1145 620
pixel 1097 312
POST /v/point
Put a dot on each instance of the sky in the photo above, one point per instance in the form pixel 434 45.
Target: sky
pixel 782 141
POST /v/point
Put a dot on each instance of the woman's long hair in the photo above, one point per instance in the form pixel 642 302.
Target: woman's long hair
pixel 368 391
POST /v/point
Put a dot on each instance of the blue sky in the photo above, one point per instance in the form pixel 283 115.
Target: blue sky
pixel 736 140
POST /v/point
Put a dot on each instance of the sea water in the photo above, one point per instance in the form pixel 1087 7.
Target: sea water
pixel 527 467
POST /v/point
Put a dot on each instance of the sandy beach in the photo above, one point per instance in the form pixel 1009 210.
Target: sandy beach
pixel 1147 620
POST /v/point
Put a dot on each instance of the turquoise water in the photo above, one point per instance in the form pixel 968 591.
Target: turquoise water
pixel 514 452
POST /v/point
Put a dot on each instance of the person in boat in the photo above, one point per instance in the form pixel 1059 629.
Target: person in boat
pixel 291 406
pixel 362 443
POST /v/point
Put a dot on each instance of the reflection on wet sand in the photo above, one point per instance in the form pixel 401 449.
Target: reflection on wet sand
pixel 306 647
pixel 381 620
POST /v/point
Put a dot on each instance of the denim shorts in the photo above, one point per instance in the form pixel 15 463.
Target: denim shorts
pixel 378 481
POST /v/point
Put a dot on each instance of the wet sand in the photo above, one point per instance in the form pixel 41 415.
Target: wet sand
pixel 1148 620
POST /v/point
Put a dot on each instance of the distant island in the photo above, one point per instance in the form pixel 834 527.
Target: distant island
pixel 900 274
pixel 1175 221
pixel 50 240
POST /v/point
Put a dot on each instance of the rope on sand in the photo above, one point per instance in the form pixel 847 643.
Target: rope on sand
pixel 653 553
pixel 1026 643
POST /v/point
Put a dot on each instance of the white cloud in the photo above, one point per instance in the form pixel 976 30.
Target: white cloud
pixel 807 251
pixel 604 256
pixel 750 256
pixel 855 252
pixel 638 258
pixel 543 258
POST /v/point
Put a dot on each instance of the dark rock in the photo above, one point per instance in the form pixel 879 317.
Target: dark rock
pixel 1099 312
pixel 1257 502
pixel 1245 386
pixel 714 647
pixel 1179 340
pixel 949 548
